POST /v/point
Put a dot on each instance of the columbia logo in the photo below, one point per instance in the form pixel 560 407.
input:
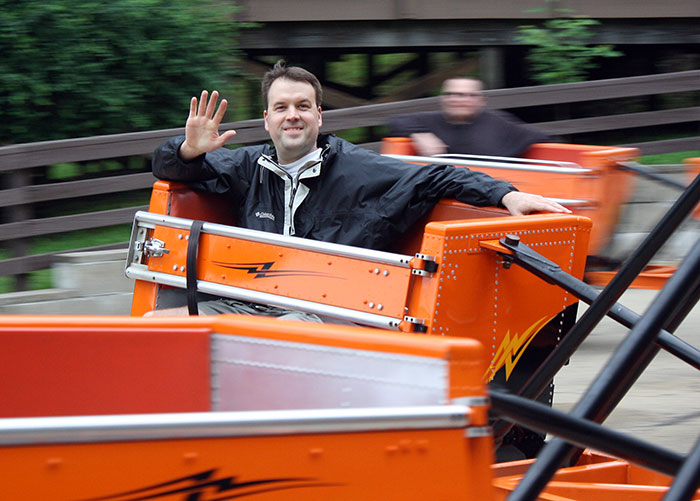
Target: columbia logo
pixel 265 215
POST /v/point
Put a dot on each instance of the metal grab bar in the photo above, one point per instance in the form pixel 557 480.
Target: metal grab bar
pixel 151 219
pixel 111 428
pixel 560 163
pixel 524 166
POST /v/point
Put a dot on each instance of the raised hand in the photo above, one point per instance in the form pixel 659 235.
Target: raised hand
pixel 202 127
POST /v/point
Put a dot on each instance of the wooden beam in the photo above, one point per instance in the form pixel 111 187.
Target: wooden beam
pixel 61 224
pixel 36 262
pixel 23 156
pixel 617 122
pixel 667 145
pixel 268 11
pixel 418 86
pixel 331 97
pixel 411 35
pixel 70 189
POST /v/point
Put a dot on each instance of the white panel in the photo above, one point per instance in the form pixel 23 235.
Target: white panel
pixel 262 374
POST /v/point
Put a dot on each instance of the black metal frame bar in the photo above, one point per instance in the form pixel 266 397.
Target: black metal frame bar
pixel 603 303
pixel 585 433
pixel 626 364
pixel 644 171
pixel 524 256
pixel 687 478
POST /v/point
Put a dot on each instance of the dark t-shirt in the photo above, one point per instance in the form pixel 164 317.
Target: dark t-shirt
pixel 492 133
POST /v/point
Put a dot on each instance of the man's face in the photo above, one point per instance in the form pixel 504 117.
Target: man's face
pixel 292 118
pixel 461 99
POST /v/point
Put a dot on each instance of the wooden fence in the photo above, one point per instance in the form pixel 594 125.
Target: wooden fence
pixel 20 196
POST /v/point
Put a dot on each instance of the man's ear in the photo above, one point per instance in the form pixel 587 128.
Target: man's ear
pixel 265 120
pixel 320 118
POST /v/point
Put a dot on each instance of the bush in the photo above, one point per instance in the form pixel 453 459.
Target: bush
pixel 72 68
pixel 560 51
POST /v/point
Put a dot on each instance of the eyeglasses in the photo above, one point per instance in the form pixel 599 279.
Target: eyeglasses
pixel 462 94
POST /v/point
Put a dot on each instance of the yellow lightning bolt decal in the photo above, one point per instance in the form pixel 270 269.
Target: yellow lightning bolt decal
pixel 510 350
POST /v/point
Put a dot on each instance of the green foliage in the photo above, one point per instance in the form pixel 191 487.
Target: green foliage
pixel 560 50
pixel 677 157
pixel 72 68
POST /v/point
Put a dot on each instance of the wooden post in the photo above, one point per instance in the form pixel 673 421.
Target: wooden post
pixel 19 247
pixel 491 67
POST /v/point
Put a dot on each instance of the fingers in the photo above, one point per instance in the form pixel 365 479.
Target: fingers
pixel 519 204
pixel 206 107
pixel 193 106
pixel 226 136
pixel 221 111
pixel 202 103
pixel 212 104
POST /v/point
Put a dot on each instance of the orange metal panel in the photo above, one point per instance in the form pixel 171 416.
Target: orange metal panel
pixel 312 276
pixel 52 366
pixel 424 464
pixel 147 293
pixel 474 295
pixel 653 277
pixel 596 478
pixel 62 365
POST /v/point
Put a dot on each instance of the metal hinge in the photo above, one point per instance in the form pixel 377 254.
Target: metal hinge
pixel 427 266
pixel 418 323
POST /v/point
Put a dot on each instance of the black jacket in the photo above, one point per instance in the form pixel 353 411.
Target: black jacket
pixel 353 197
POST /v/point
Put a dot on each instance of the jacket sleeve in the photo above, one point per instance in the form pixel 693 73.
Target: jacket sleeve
pixel 409 191
pixel 428 184
pixel 221 171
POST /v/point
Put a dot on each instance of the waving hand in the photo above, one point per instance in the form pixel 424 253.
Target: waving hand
pixel 202 128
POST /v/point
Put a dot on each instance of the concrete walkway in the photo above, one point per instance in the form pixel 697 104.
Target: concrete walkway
pixel 663 407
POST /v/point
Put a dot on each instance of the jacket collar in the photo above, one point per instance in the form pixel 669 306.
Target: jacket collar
pixel 268 158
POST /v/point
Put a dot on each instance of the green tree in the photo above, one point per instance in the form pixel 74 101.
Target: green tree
pixel 561 51
pixel 72 68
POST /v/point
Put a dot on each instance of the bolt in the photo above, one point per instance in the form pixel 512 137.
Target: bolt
pixel 513 240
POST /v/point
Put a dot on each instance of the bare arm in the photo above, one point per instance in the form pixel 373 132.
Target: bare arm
pixel 202 127
pixel 519 203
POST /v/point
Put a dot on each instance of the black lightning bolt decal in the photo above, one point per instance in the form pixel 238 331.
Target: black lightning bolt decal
pixel 204 481
pixel 263 270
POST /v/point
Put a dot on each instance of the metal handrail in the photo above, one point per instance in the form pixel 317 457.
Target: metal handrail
pixel 516 164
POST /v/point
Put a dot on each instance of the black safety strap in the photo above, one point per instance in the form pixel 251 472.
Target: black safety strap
pixel 191 273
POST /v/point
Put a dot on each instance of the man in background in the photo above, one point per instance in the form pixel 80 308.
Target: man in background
pixel 465 126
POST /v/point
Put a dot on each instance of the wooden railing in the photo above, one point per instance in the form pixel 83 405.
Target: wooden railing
pixel 20 195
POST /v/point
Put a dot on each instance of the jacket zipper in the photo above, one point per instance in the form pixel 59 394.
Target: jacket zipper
pixel 295 186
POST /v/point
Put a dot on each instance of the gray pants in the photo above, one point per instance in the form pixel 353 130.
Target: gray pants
pixel 225 305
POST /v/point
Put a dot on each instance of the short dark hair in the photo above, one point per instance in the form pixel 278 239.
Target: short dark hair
pixel 281 70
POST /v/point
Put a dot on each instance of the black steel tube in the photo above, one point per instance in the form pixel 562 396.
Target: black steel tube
pixel 617 312
pixel 610 294
pixel 634 353
pixel 538 416
pixel 650 174
pixel 674 319
pixel 687 480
